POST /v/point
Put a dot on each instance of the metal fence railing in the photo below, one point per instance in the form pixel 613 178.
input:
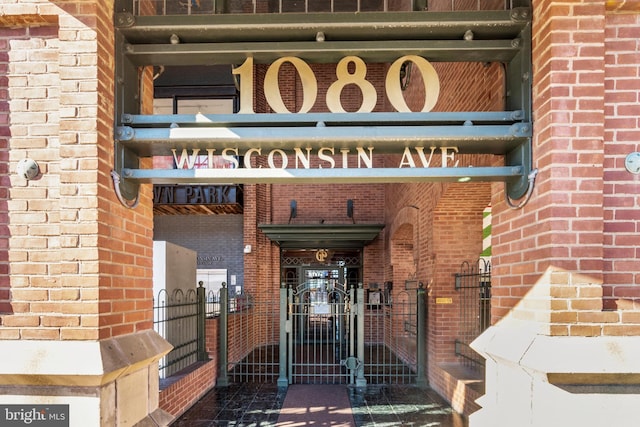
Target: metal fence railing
pixel 473 282
pixel 179 317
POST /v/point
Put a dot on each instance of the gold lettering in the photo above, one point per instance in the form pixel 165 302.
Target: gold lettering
pixel 248 154
pixel 305 160
pixel 272 87
pixel 185 158
pixel 245 81
pixel 357 78
pixel 210 161
pixel 231 158
pixel 327 158
pixel 429 79
pixel 407 159
pixel 344 77
pixel 283 156
pixel 345 158
pixel 425 162
pixel 446 156
pixel 362 155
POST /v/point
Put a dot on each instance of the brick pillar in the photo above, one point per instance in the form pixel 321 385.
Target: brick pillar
pixel 76 294
pixel 558 355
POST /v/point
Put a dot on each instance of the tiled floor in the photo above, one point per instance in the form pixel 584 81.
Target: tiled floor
pixel 402 406
pixel 244 405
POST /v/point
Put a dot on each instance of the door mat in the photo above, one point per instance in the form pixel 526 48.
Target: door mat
pixel 316 405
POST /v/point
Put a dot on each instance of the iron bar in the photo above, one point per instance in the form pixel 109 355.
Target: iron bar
pixel 328 119
pixel 327 52
pixel 283 380
pixel 421 337
pixel 328 176
pixel 223 331
pixel 176 318
pixel 473 282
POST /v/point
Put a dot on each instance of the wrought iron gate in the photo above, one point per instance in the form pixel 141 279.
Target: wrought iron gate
pixel 333 334
pixel 320 325
pixel 325 332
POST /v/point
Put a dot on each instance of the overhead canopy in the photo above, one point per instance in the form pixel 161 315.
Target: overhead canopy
pixel 307 38
pixel 304 236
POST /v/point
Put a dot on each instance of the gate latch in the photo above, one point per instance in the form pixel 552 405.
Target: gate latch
pixel 352 363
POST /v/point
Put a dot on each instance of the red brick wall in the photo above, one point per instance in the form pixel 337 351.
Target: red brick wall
pixel 438 226
pixel 80 263
pixel 576 234
pixel 31 296
pixel 182 394
pixel 560 226
pixel 621 189
pixel 125 235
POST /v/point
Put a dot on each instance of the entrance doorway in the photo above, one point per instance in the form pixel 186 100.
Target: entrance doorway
pixel 320 317
pixel 330 328
pixel 321 324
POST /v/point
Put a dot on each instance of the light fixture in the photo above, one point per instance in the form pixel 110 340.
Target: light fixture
pixel 293 210
pixel 464 179
pixel 632 162
pixel 350 210
pixel 28 169
pixel 247 249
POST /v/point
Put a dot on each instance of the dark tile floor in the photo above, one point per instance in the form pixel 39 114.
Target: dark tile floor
pixel 244 405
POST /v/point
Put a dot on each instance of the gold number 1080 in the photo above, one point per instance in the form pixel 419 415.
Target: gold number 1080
pixel 357 77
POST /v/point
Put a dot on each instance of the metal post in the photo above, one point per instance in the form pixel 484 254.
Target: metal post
pixel 223 359
pixel 202 322
pixel 360 379
pixel 352 331
pixel 283 380
pixel 421 337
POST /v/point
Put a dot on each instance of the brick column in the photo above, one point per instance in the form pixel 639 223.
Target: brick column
pixel 562 349
pixel 76 298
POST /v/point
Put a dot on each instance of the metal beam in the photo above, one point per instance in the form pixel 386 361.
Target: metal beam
pixel 295 27
pixel 330 176
pixel 328 119
pixel 376 51
pixel 486 139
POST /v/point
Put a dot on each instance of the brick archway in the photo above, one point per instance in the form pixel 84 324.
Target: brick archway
pixel 404 244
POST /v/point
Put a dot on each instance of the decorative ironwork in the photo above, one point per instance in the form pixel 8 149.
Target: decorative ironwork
pixel 474 284
pixel 176 319
pixel 309 259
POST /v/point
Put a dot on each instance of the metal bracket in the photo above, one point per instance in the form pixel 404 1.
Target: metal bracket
pixel 521 14
pixel 124 20
pixel 352 363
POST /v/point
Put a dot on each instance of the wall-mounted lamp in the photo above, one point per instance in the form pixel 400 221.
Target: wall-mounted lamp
pixel 293 210
pixel 247 249
pixel 632 162
pixel 350 210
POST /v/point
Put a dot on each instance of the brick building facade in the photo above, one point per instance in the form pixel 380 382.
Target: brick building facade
pixel 76 284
